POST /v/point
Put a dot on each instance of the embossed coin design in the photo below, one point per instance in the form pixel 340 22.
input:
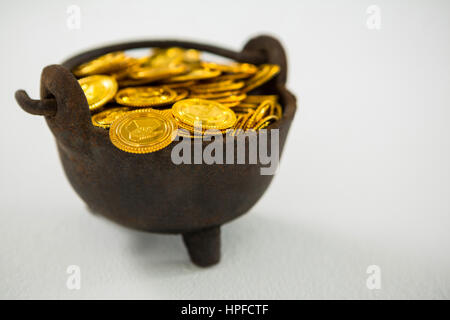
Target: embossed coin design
pixel 212 114
pixel 98 89
pixel 105 118
pixel 143 131
pixel 146 96
pixel 105 64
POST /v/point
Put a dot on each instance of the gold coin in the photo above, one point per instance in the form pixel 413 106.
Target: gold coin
pixel 232 98
pixel 199 130
pixel 181 93
pixel 143 131
pixel 105 118
pixel 235 67
pixel 244 68
pixel 230 104
pixel 191 55
pixel 245 119
pixel 262 111
pixel 107 63
pixel 174 85
pixel 278 111
pixel 240 125
pixel 186 134
pixel 233 76
pixel 196 74
pixel 156 73
pixel 227 85
pixel 164 57
pixel 257 99
pixel 146 96
pixel 248 105
pixel 132 83
pixel 242 110
pixel 167 112
pixel 212 114
pixel 265 122
pixel 120 75
pixel 265 73
pixel 168 55
pixel 215 95
pixel 98 89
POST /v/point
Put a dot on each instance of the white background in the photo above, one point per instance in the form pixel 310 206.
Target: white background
pixel 365 178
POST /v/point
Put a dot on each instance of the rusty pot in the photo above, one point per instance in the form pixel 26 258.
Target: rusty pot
pixel 147 191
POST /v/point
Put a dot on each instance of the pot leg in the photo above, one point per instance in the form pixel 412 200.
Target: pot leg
pixel 203 246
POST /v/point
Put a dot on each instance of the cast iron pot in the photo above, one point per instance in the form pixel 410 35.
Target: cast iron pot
pixel 148 191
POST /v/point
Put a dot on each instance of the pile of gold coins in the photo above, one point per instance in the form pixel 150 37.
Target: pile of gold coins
pixel 145 102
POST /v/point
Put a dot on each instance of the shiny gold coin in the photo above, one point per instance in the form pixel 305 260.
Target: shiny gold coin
pixel 164 57
pixel 265 73
pixel 278 111
pixel 239 119
pixel 244 122
pixel 196 74
pixel 257 99
pixel 167 112
pixel 156 73
pixel 185 84
pixel 215 95
pixel 213 115
pixel 248 105
pixel 146 96
pixel 143 131
pixel 98 89
pixel 198 130
pixel 227 85
pixel 186 134
pixel 107 63
pixel 105 118
pixel 231 68
pixel 120 75
pixel 239 127
pixel 231 104
pixel 242 110
pixel 262 111
pixel 191 55
pixel 265 122
pixel 233 76
pixel 232 98
pixel 211 83
pixel 175 54
pixel 244 68
pixel 182 93
pixel 132 82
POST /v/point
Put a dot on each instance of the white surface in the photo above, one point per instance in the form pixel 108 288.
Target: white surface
pixel 364 180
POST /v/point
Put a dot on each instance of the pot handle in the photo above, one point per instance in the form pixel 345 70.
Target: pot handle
pixel 44 107
pixel 62 100
pixel 273 52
